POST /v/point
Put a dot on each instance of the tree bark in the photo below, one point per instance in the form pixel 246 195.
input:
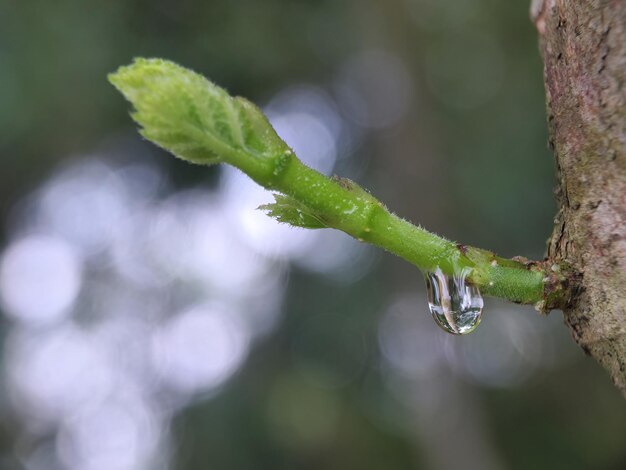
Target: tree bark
pixel 583 44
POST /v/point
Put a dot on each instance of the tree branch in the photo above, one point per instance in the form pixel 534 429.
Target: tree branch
pixel 584 50
pixel 197 121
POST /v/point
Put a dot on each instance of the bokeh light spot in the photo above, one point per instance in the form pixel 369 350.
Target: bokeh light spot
pixel 40 278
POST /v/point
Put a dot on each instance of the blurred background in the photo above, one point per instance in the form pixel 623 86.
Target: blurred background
pixel 153 319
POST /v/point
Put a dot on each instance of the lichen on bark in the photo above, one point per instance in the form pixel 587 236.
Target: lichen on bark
pixel 584 50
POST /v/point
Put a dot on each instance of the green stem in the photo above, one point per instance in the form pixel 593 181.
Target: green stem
pixel 342 205
pixel 197 121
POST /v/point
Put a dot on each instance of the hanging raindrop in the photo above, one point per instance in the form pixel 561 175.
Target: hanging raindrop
pixel 455 304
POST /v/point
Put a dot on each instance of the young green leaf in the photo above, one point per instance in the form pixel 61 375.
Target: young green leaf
pixel 183 112
pixel 289 211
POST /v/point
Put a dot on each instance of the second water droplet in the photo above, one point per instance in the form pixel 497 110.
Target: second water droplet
pixel 455 304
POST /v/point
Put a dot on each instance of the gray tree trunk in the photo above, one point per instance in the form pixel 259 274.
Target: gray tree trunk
pixel 584 50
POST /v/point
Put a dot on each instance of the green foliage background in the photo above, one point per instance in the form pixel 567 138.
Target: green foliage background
pixel 469 161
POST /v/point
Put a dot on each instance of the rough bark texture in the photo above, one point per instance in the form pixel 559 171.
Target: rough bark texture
pixel 584 49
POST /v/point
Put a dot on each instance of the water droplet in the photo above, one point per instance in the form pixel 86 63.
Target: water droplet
pixel 455 304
